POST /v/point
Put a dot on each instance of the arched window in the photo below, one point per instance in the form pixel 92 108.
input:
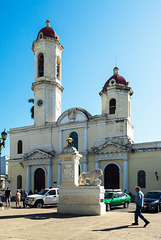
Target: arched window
pixel 19 182
pixel 142 179
pixel 40 35
pixel 112 106
pixel 74 135
pixel 19 147
pixel 58 67
pixel 40 65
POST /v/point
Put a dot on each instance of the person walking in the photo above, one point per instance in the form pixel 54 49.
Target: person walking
pixel 139 199
pixel 24 195
pixel 18 197
pixel 8 196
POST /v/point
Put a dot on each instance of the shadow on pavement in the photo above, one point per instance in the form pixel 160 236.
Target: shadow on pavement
pixel 115 228
pixel 40 216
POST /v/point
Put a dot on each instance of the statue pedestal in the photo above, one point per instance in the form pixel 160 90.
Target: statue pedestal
pixel 74 198
pixel 82 200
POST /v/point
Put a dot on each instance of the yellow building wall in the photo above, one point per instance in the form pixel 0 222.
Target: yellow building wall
pixel 150 162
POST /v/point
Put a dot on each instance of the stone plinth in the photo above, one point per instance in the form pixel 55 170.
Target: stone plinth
pixel 82 200
pixel 74 198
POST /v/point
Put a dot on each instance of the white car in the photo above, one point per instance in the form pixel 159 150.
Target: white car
pixel 47 196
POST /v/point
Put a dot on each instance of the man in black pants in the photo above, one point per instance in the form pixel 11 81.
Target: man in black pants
pixel 139 198
pixel 8 196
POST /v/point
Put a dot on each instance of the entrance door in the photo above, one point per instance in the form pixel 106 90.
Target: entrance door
pixel 111 177
pixel 39 179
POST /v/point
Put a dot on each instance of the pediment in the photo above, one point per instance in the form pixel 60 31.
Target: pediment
pixel 73 115
pixel 37 154
pixel 109 146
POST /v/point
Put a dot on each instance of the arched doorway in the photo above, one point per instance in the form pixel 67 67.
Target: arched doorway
pixel 111 177
pixel 39 179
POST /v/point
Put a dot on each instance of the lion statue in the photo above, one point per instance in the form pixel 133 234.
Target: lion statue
pixel 92 176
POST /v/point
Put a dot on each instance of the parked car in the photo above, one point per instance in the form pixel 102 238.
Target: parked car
pixel 48 196
pixel 152 201
pixel 116 198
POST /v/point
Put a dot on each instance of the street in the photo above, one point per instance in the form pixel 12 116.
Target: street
pixel 45 223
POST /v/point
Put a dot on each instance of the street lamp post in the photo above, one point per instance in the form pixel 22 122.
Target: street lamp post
pixel 2 144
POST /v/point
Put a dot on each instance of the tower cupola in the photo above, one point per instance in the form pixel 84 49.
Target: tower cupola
pixel 116 71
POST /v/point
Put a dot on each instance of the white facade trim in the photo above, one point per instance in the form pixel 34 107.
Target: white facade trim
pixel 38 162
pixel 65 128
pixel 53 105
pixel 28 178
pixel 56 130
pixel 49 176
pixel 61 141
pixel 74 131
pixel 115 163
pixel 43 145
pixel 125 175
pixel 119 92
pixel 86 138
pixel 46 106
pixel 110 156
pixel 33 171
pixel 59 172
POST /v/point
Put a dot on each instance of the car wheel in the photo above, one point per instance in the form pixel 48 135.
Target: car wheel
pixel 126 204
pixel 108 207
pixel 39 204
pixel 157 209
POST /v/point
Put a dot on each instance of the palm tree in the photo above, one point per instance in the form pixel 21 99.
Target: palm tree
pixel 31 100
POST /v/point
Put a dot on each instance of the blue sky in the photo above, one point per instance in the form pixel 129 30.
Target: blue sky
pixel 93 33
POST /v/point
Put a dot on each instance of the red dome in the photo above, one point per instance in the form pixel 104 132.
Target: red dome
pixel 48 31
pixel 119 80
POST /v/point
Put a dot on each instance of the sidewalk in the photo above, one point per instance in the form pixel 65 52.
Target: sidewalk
pixel 46 224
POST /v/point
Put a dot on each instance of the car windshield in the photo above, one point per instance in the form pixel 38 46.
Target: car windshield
pixel 108 195
pixel 154 195
pixel 42 192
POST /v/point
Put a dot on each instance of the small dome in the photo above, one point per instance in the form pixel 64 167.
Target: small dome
pixel 115 79
pixel 47 32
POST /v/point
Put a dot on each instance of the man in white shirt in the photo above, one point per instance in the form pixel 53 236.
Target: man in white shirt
pixel 139 199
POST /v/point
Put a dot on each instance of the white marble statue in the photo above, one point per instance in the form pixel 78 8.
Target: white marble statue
pixel 92 176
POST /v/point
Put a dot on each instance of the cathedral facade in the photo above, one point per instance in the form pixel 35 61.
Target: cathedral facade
pixel 105 141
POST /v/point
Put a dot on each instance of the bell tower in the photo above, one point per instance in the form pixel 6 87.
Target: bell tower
pixel 116 100
pixel 47 85
pixel 116 97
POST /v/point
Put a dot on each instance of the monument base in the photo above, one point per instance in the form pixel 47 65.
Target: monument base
pixel 82 200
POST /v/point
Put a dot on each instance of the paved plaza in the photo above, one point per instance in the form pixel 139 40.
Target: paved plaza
pixel 45 223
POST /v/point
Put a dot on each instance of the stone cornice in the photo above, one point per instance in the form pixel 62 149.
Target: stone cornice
pixel 111 156
pixel 38 162
pixel 124 148
pixel 47 81
pixel 117 87
pixel 148 149
pixel 44 154
pixel 46 40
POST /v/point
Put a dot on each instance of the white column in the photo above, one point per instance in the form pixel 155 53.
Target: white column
pixel 85 163
pixel 46 106
pixel 85 139
pixel 59 172
pixel 49 176
pixel 97 165
pixel 53 108
pixel 28 178
pixel 125 175
pixel 61 141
